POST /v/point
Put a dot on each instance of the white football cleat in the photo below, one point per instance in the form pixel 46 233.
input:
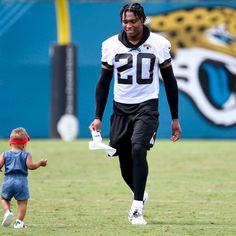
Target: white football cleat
pixel 19 224
pixel 8 217
pixel 135 217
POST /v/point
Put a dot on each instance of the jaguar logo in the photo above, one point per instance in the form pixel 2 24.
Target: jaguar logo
pixel 204 57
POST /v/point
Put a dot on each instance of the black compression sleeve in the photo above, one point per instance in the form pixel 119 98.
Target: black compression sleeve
pixel 102 91
pixel 171 89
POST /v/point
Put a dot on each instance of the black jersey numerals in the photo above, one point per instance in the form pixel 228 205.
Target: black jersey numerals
pixel 141 57
pixel 128 65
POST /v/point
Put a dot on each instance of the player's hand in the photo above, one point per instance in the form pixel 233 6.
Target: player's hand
pixel 176 130
pixel 96 125
pixel 43 162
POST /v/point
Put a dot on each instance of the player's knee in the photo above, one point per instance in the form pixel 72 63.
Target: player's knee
pixel 139 152
pixel 138 147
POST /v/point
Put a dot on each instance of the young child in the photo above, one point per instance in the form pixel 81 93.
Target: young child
pixel 17 161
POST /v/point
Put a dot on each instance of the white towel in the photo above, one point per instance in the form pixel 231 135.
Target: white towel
pixel 99 145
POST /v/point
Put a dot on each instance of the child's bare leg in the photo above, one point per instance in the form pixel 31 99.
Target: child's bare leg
pixel 8 215
pixel 22 207
pixel 5 205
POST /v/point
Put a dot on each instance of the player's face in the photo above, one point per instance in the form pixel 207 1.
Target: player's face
pixel 132 25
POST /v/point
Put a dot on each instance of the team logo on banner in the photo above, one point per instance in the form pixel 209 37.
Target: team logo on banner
pixel 204 57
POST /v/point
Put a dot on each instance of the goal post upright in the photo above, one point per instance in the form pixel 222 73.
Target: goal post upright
pixel 64 122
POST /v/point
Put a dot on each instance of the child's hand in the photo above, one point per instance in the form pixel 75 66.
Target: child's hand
pixel 43 162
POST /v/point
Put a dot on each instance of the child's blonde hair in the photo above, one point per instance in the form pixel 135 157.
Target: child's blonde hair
pixel 19 138
pixel 19 133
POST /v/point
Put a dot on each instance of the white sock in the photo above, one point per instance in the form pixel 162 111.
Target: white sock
pixel 145 195
pixel 137 205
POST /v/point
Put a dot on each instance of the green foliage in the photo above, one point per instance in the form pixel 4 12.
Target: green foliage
pixel 191 186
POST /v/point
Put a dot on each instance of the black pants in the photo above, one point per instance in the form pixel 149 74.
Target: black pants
pixel 132 135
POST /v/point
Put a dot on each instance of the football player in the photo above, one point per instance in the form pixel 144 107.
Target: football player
pixel 134 58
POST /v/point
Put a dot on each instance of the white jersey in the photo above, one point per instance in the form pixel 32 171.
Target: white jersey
pixel 136 70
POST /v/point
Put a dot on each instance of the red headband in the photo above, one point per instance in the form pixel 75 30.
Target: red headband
pixel 19 141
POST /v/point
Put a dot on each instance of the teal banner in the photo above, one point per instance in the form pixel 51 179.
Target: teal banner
pixel 203 39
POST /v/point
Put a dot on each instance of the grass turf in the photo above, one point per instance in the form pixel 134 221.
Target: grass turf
pixel 191 186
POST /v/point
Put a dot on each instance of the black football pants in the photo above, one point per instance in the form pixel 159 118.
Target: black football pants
pixel 134 169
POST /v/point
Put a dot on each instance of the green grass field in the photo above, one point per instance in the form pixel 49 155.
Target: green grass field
pixel 191 186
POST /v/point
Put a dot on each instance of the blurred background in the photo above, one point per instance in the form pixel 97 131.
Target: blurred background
pixel 50 60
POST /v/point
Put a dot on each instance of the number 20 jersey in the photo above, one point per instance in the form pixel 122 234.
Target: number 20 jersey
pixel 136 70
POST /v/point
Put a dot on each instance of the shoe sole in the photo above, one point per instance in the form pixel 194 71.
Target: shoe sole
pixel 8 220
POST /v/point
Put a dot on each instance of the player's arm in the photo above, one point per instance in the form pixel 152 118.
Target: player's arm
pixel 102 90
pixel 35 165
pixel 101 95
pixel 171 89
pixel 1 161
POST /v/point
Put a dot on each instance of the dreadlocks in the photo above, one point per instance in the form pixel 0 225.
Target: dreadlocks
pixel 136 8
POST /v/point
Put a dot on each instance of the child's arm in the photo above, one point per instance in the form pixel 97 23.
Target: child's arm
pixel 1 161
pixel 32 166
